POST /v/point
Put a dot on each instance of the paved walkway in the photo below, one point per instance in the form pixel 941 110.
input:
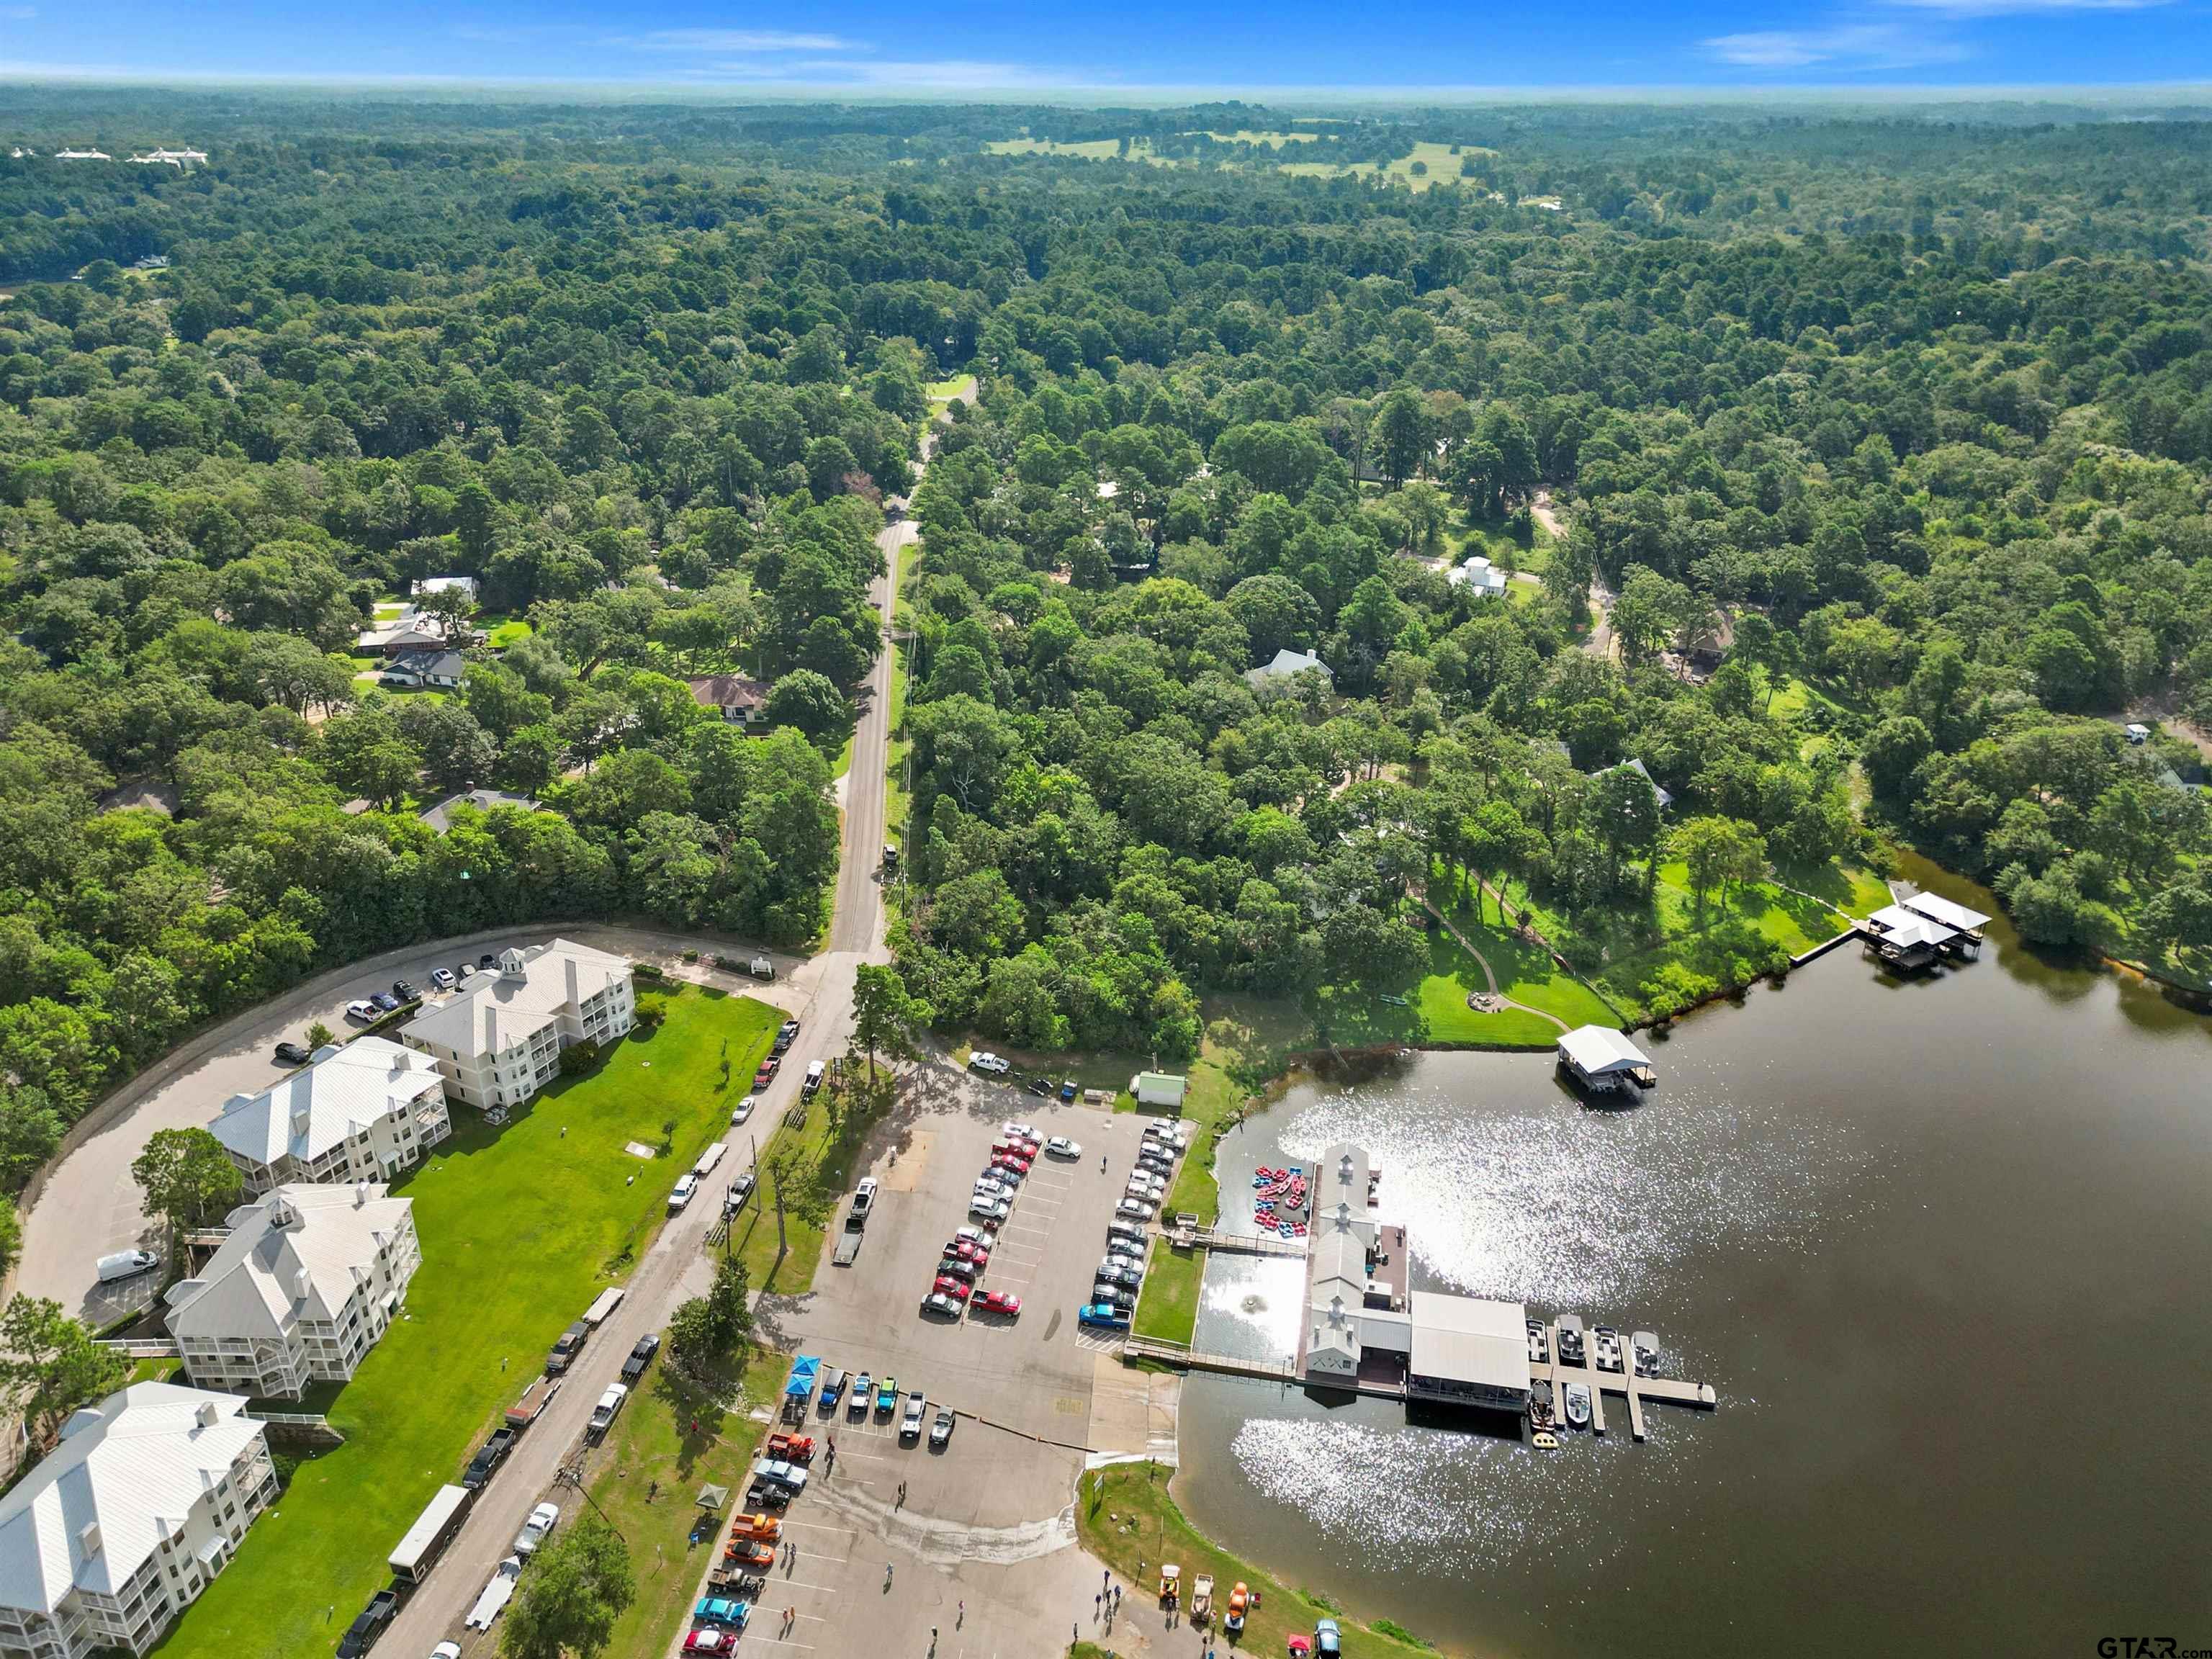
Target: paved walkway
pixel 1483 962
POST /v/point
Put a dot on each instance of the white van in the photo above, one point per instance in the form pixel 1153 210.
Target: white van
pixel 127 1264
pixel 709 1159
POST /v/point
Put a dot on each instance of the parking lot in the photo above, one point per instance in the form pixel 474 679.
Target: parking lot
pixel 974 1543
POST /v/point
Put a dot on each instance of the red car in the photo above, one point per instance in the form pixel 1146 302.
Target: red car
pixel 999 1301
pixel 750 1553
pixel 711 1641
pixel 765 1076
pixel 967 1249
pixel 1014 1161
pixel 790 1448
pixel 948 1285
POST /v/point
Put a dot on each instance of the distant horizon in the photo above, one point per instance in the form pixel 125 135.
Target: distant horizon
pixel 1145 51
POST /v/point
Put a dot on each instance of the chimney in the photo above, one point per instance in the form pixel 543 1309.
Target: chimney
pixel 301 1284
pixel 359 1193
pixel 206 1414
pixel 299 1116
pixel 87 1540
pixel 575 998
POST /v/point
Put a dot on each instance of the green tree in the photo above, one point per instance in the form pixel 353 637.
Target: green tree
pixel 49 1366
pixel 577 1587
pixel 187 1178
pixel 884 1015
pixel 1719 854
pixel 810 702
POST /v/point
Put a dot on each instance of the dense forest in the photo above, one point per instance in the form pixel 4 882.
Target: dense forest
pixel 1850 473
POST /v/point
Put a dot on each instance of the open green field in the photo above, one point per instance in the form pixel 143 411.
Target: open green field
pixel 504 631
pixel 1445 1017
pixel 673 1438
pixel 1124 1516
pixel 1267 140
pixel 1167 1307
pixel 521 1226
pixel 1439 166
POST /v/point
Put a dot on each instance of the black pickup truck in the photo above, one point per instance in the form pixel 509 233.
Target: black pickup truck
pixel 360 1635
pixel 489 1457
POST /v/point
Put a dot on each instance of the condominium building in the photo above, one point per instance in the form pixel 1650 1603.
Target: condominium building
pixel 308 1279
pixel 362 1112
pixel 128 1520
pixel 498 1039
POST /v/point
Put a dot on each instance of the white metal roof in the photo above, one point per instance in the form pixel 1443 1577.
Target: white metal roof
pixel 529 988
pixel 315 1108
pixel 1466 1339
pixel 133 1466
pixel 1909 927
pixel 1596 1049
pixel 1287 662
pixel 1936 908
pixel 295 1255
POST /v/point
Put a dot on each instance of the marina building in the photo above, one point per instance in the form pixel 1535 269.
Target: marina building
pixel 298 1293
pixel 118 1530
pixel 362 1112
pixel 498 1041
pixel 1364 1330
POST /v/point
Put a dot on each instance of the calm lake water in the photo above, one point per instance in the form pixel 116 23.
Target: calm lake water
pixel 1943 1247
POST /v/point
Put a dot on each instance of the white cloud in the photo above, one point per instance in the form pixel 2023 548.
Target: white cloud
pixel 18 14
pixel 943 75
pixel 737 40
pixel 1839 46
pixel 2022 8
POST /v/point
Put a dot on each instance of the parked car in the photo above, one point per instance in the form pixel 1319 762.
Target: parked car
pixel 680 1194
pixel 363 1011
pixel 864 1395
pixel 989 1185
pixel 1011 1130
pixel 566 1347
pixel 776 1472
pixel 291 1054
pixel 985 1208
pixel 940 1432
pixel 1014 1163
pixel 1041 1086
pixel 405 990
pixel 489 959
pixel 864 1195
pixel 910 1421
pixel 386 1003
pixel 1126 1232
pixel 1102 1317
pixel 369 1624
pixel 764 1074
pixel 750 1553
pixel 887 1395
pixel 967 1250
pixel 998 1302
pixel 1068 1090
pixel 786 1035
pixel 1328 1642
pixel 989 1064
pixel 1126 1278
pixel 641 1355
pixel 441 979
pixel 815 1074
pixel 833 1389
pixel 536 1530
pixel 721 1610
pixel 983 1236
pixel 489 1457
pixel 1061 1147
pixel 740 1190
pixel 1135 1209
pixel 790 1448
pixel 126 1264
pixel 744 1109
pixel 942 1307
pixel 708 1638
pixel 947 1284
pixel 952 1267
pixel 1114 1297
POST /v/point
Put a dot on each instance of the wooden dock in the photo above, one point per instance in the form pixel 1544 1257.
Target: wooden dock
pixel 1223 1364
pixel 1672 1391
pixel 1212 1238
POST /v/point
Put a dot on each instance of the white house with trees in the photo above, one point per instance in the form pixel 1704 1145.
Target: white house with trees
pixel 308 1279
pixel 498 1041
pixel 362 1112
pixel 120 1529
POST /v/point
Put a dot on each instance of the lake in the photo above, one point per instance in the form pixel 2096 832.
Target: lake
pixel 1941 1246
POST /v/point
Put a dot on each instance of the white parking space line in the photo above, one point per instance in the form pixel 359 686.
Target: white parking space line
pixel 817 1526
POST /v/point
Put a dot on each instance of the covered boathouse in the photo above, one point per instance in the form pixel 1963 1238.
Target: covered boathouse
pixel 1598 1058
pixel 1918 930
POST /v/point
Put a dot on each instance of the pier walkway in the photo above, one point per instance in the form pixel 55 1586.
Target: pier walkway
pixel 1212 1239
pixel 1225 1365
pixel 1698 1396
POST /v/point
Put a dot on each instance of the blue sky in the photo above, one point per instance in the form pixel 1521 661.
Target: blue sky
pixel 871 47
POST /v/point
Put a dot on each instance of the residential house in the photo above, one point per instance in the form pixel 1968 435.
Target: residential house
pixel 83 156
pixel 498 1041
pixel 307 1280
pixel 409 632
pixel 1287 665
pixel 1486 581
pixel 440 816
pixel 1661 796
pixel 362 1112
pixel 430 585
pixel 435 667
pixel 735 698
pixel 123 1525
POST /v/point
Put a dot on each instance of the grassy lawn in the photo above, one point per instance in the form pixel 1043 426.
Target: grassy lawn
pixel 1090 149
pixel 1124 1514
pixel 1445 1017
pixel 672 1438
pixel 505 631
pixel 753 1235
pixel 1440 165
pixel 1167 1307
pixel 520 1226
